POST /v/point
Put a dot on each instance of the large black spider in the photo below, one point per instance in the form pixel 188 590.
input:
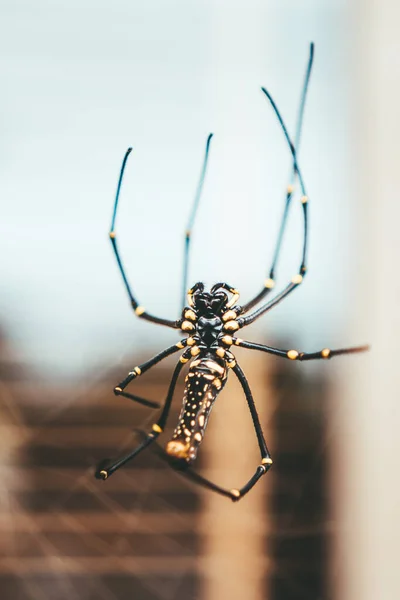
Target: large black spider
pixel 211 322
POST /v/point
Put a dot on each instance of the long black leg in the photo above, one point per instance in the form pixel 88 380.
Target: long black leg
pixel 140 369
pixel 298 278
pixel 191 222
pixel 326 353
pixel 139 399
pixel 105 468
pixel 296 281
pixel 270 282
pixel 266 461
pixel 188 473
pixel 140 311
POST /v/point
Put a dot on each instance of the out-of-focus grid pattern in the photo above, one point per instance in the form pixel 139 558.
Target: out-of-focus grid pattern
pixel 66 535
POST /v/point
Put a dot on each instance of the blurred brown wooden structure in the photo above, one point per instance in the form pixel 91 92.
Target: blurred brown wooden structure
pixel 140 535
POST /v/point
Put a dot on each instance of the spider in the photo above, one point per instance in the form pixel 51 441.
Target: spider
pixel 211 320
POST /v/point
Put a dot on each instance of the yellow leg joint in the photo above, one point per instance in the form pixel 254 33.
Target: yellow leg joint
pixel 297 279
pixel 269 283
pixel 190 314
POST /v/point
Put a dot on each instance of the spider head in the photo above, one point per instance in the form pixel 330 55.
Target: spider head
pixel 212 303
pixel 208 304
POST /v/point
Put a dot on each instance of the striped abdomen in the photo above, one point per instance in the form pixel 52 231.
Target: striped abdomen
pixel 205 380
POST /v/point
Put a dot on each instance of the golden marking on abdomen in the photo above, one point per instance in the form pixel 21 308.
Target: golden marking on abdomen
pixel 214 366
pixel 177 449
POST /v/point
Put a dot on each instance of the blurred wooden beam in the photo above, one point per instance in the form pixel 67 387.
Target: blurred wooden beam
pixel 366 482
pixel 235 551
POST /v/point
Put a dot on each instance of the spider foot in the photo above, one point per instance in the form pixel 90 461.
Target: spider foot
pixel 101 471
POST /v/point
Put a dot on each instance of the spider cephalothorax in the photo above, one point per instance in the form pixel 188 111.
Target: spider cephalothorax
pixel 209 315
pixel 210 322
pixel 213 302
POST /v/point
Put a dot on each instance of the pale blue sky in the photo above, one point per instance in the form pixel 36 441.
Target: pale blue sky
pixel 83 81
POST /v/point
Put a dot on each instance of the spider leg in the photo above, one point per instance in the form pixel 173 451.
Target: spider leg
pixel 298 278
pixel 266 461
pixel 139 399
pixel 140 369
pixel 296 281
pixel 191 222
pixel 140 311
pixel 270 282
pixel 295 355
pixel 107 468
pixel 187 472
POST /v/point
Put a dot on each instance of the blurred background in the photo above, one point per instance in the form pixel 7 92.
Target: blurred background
pixel 80 83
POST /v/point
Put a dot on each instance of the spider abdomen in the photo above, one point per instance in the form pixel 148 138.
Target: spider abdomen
pixel 204 381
